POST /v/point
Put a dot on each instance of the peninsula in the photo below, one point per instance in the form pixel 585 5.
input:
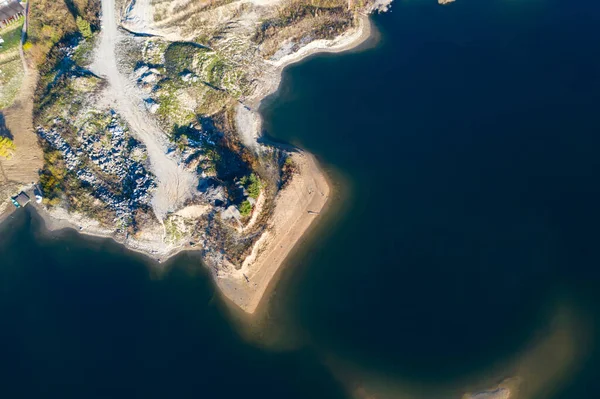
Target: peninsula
pixel 146 115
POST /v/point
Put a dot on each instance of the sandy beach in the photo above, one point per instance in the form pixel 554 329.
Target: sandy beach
pixel 298 206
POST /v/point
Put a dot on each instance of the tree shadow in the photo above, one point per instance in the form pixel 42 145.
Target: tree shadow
pixel 72 8
pixel 4 131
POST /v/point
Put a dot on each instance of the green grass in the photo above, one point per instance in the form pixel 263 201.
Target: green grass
pixel 179 57
pixel 173 233
pixel 11 77
pixel 215 71
pixel 170 111
pixel 11 36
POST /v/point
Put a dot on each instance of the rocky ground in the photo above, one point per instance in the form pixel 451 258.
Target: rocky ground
pixel 148 127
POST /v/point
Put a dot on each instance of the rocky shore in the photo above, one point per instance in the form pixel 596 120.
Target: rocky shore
pixel 153 138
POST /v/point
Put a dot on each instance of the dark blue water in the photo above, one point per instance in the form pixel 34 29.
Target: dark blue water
pixel 463 151
pixel 85 319
pixel 469 140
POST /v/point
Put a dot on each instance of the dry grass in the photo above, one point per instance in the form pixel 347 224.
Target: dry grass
pixel 11 77
pixel 23 167
pixel 52 20
pixel 299 21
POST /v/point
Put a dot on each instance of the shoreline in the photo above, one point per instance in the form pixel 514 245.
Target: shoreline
pixel 346 42
pixel 308 193
pixel 247 287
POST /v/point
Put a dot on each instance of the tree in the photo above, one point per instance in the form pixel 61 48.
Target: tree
pixel 7 147
pixel 245 209
pixel 84 27
pixel 252 184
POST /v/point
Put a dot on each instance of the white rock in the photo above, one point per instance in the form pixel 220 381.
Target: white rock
pixel 140 71
pixel 151 105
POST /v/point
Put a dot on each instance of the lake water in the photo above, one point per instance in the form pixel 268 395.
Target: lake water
pixel 461 248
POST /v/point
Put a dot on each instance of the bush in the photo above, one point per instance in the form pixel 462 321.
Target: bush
pixel 50 21
pixel 252 184
pixel 180 56
pixel 52 177
pixel 245 208
pixel 7 147
pixel 84 27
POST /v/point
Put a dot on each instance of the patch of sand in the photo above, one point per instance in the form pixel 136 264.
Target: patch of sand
pixel 192 211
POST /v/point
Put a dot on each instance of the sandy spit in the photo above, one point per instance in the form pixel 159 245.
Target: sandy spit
pixel 297 206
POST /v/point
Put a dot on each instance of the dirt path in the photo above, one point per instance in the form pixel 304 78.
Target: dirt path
pixel 174 183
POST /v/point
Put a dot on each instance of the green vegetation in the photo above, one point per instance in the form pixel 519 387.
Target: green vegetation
pixel 12 37
pixel 11 77
pixel 213 101
pixel 170 109
pixel 252 184
pixel 83 54
pixel 61 95
pixel 51 20
pixel 208 164
pixel 245 208
pixel 172 230
pixel 52 177
pixel 7 147
pixel 11 67
pixel 84 27
pixel 180 56
pixel 215 71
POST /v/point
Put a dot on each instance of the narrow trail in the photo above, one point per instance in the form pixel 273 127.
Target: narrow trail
pixel 174 183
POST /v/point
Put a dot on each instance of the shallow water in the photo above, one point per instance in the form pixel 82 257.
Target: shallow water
pixel 460 248
pixel 86 319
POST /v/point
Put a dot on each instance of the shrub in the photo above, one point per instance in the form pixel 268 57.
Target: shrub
pixel 245 208
pixel 216 70
pixel 50 21
pixel 252 184
pixel 84 27
pixel 52 177
pixel 7 147
pixel 179 57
